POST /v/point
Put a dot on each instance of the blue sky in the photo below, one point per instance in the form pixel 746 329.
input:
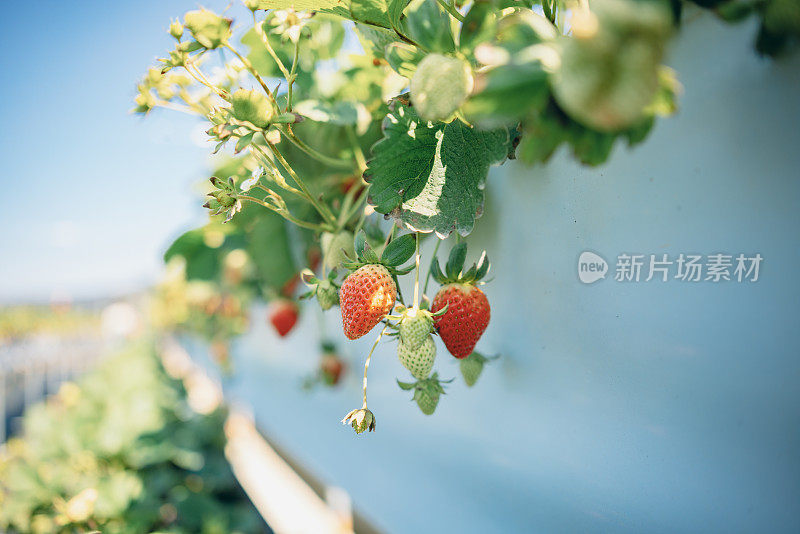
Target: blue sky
pixel 91 194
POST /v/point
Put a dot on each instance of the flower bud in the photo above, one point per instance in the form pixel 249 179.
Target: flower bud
pixel 176 29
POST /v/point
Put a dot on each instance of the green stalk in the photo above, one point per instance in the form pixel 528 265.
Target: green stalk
pixel 433 259
pixel 285 214
pixel 321 208
pixel 322 158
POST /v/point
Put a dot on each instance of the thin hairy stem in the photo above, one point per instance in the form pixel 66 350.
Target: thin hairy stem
pixel 358 154
pixel 366 363
pixel 416 274
pixel 323 210
pixel 433 259
pixel 286 130
pixel 292 75
pixel 285 214
pixel 253 71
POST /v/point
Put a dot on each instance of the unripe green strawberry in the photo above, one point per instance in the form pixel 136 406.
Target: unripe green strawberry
pixel 471 368
pixel 336 247
pixel 427 401
pixel 426 392
pixel 440 85
pixel 415 327
pixel 252 106
pixel 327 295
pixel 365 297
pixel 418 361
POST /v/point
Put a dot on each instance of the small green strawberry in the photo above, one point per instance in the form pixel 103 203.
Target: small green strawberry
pixel 252 106
pixel 326 290
pixel 327 295
pixel 426 392
pixel 472 366
pixel 336 248
pixel 415 327
pixel 418 361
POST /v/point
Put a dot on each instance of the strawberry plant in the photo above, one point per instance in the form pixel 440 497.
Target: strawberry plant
pixel 319 139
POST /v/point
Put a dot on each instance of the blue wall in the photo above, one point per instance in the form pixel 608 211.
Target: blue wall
pixel 625 407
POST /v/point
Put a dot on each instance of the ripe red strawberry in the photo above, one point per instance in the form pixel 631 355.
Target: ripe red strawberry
pixel 365 297
pixel 369 292
pixel 330 368
pixel 283 316
pixel 467 315
pixel 466 318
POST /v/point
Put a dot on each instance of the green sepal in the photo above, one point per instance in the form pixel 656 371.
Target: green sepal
pixel 436 271
pixel 406 386
pixel 455 263
pixel 369 255
pixel 441 312
pixel 399 250
pixel 360 243
pixel 483 266
pixel 455 267
pixel 243 142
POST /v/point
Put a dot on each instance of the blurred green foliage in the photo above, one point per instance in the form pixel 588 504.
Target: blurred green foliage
pixel 122 452
pixel 22 321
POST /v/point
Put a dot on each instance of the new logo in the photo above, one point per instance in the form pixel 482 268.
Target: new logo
pixel 591 267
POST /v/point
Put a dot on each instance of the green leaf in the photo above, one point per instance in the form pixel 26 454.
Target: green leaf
pixel 431 175
pixel 403 58
pixel 455 262
pixel 342 113
pixel 185 245
pixel 298 5
pixel 479 25
pixel 374 38
pixel 506 94
pixel 399 250
pixel 268 246
pixel 202 262
pixel 373 12
pixel 429 26
pixel 395 12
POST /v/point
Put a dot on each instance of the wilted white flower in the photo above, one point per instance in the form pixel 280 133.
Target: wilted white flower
pixel 253 180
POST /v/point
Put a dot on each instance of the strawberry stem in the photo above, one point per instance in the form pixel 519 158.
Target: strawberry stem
pixel 433 259
pixel 416 275
pixel 366 364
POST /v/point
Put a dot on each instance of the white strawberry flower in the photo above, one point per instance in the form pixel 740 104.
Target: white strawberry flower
pixel 288 23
